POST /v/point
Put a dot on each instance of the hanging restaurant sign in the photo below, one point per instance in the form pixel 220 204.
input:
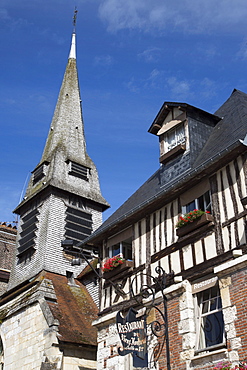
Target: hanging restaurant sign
pixel 132 332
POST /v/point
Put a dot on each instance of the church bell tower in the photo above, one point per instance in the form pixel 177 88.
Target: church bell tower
pixel 63 200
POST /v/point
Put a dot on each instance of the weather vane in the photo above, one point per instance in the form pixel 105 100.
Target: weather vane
pixel 74 18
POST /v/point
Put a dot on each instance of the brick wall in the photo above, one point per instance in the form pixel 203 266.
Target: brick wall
pixel 175 339
pixel 238 296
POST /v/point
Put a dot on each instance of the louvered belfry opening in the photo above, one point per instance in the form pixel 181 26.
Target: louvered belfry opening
pixel 79 170
pixel 27 234
pixel 38 174
pixel 78 224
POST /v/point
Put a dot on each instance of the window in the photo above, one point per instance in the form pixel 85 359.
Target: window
pixel 78 170
pixel 209 316
pixel 28 231
pixel 123 248
pixel 39 172
pixel 175 137
pixel 78 224
pixel 203 203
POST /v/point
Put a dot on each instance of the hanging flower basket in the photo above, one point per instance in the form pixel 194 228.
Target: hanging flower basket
pixel 193 220
pixel 114 266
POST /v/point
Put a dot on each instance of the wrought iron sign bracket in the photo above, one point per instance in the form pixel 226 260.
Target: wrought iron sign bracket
pixel 146 297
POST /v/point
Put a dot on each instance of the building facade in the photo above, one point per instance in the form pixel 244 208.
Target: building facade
pixel 46 313
pixel 7 249
pixel 183 238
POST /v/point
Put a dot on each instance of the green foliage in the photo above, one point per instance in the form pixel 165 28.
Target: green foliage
pixel 190 217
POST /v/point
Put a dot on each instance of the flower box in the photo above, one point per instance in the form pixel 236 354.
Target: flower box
pixel 118 270
pixel 204 219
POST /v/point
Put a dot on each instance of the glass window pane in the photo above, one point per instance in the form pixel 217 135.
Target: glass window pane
pixel 127 249
pixel 115 249
pixel 201 203
pixel 180 136
pixel 171 139
pixel 210 320
pixel 211 330
pixel 191 206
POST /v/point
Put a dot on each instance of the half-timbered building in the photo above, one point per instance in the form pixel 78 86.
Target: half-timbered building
pixel 182 236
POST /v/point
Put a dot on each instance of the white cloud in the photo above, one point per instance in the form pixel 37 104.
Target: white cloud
pixel 103 60
pixel 150 55
pixel 242 54
pixel 154 78
pixel 132 86
pixel 188 15
pixel 13 23
pixel 4 15
pixel 179 88
pixel 153 81
pixel 121 14
pixel 208 88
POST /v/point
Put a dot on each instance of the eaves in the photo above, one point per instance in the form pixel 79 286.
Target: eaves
pixel 168 192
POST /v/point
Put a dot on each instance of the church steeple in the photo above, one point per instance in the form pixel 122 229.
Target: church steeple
pixel 63 199
pixel 65 149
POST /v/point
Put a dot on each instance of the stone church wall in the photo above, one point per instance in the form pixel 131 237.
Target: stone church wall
pixel 27 340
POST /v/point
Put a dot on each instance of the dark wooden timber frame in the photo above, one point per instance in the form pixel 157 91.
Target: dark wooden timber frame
pixel 147 292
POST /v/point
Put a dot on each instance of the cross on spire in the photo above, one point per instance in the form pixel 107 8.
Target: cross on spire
pixel 74 18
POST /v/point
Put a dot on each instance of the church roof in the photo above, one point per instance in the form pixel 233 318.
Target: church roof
pixel 228 136
pixel 75 310
pixel 71 306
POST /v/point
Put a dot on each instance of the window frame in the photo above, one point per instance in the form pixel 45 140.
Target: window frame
pixel 179 137
pixel 200 304
pixel 199 203
pixel 123 250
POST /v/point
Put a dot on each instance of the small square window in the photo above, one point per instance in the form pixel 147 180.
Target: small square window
pixel 123 248
pixel 209 320
pixel 175 137
pixel 203 203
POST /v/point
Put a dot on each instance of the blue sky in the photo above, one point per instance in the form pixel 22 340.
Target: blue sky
pixel 132 55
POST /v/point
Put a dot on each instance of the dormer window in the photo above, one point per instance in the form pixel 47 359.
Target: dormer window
pixel 78 170
pixel 172 134
pixel 174 137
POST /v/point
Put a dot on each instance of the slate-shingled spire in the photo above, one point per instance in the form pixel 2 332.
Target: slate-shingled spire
pixel 63 199
pixel 66 142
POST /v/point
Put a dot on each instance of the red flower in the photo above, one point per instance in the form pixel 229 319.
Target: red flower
pixel 111 263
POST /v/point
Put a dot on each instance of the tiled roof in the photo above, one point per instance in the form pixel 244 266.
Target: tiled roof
pixel 75 311
pixel 8 227
pixel 87 270
pixel 227 132
pixel 231 128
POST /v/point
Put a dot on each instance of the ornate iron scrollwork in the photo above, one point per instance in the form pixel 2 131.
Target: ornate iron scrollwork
pixel 145 296
pixel 143 289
